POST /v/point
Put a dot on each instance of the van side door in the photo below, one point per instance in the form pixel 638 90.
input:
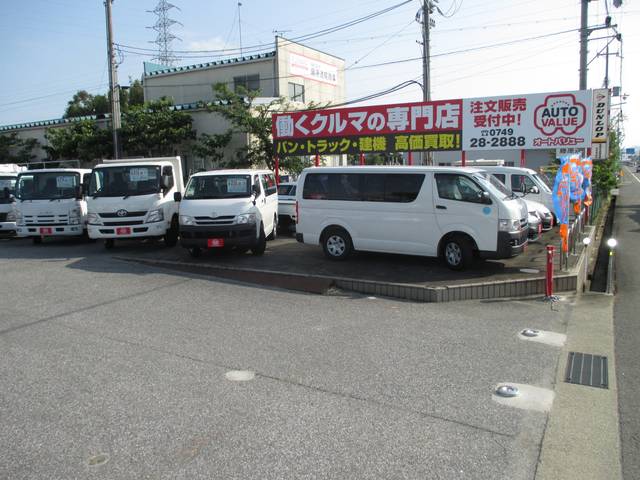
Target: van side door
pixel 269 206
pixel 461 207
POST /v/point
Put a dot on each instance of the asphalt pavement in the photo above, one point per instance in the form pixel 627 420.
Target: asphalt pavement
pixel 116 370
pixel 626 229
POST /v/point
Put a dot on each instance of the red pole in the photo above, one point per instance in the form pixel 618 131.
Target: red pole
pixel 410 158
pixel 362 160
pixel 317 159
pixel 549 277
pixel 589 152
pixel 464 158
pixel 277 170
pixel 523 158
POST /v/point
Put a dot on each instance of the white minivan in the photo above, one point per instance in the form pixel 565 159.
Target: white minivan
pixel 449 212
pixel 525 182
pixel 229 209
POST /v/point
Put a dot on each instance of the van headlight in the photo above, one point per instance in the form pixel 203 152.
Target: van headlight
pixel 246 218
pixel 93 219
pixel 155 216
pixel 187 220
pixel 508 225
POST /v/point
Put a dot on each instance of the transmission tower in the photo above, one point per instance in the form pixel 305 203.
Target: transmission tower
pixel 165 37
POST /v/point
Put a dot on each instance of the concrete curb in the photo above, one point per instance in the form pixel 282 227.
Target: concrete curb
pixel 563 282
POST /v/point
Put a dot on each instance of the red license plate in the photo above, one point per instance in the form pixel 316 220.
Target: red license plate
pixel 46 231
pixel 215 242
pixel 123 231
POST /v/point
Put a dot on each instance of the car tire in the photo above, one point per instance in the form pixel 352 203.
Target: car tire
pixel 261 245
pixel 457 253
pixel 274 233
pixel 337 244
pixel 171 237
pixel 195 252
pixel 109 243
pixel 37 240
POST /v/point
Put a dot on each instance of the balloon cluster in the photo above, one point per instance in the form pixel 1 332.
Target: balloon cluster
pixel 572 184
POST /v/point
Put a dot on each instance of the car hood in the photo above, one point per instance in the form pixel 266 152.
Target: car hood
pixel 216 208
pixel 536 206
pixel 47 207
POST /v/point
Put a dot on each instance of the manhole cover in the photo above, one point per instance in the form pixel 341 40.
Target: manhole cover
pixel 99 459
pixel 240 375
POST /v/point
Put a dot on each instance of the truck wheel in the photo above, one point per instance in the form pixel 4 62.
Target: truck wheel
pixel 274 233
pixel 195 252
pixel 109 243
pixel 37 240
pixel 337 244
pixel 457 253
pixel 171 237
pixel 261 246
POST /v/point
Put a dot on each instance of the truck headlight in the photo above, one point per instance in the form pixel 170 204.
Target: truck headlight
pixel 74 216
pixel 94 219
pixel 246 218
pixel 508 225
pixel 187 220
pixel 11 217
pixel 155 216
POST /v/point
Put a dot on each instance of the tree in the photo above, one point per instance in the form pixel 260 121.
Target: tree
pixel 83 103
pixel 136 93
pixel 13 149
pixel 82 140
pixel 211 147
pixel 248 117
pixel 156 129
pixel 605 172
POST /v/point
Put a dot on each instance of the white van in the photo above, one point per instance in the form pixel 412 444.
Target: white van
pixel 8 176
pixel 229 209
pixel 50 203
pixel 525 182
pixel 448 212
pixel 134 198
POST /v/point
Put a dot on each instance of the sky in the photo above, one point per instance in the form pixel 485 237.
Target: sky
pixel 52 48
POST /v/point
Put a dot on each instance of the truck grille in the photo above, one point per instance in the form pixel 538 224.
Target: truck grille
pixel 115 215
pixel 46 220
pixel 123 224
pixel 223 220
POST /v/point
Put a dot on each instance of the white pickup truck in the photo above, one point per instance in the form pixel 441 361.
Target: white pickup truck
pixel 134 199
pixel 8 176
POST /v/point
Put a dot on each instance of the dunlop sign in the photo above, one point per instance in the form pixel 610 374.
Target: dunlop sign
pixel 600 124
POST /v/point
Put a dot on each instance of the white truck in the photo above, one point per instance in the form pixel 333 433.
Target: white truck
pixel 134 199
pixel 50 203
pixel 8 176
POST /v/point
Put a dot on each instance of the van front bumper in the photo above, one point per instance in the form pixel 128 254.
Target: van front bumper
pixel 232 235
pixel 24 231
pixel 510 244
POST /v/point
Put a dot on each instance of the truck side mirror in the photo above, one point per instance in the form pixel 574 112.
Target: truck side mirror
pixel 7 192
pixel 177 196
pixel 486 198
pixel 534 190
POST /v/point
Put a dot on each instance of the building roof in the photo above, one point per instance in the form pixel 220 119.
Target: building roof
pixel 151 69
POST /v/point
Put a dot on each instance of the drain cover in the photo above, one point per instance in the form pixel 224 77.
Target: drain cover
pixel 587 369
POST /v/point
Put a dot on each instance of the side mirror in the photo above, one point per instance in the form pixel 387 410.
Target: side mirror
pixel 255 189
pixel 534 190
pixel 165 181
pixel 486 198
pixel 177 196
pixel 7 192
pixel 85 188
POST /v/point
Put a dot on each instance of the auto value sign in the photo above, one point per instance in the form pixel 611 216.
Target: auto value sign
pixel 535 121
pixel 419 126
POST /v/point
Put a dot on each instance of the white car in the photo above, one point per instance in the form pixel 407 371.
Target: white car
pixel 543 212
pixel 287 205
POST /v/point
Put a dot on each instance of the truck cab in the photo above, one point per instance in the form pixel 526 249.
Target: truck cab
pixel 50 203
pixel 134 199
pixel 8 177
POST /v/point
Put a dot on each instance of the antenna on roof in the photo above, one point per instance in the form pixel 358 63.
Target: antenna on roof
pixel 165 37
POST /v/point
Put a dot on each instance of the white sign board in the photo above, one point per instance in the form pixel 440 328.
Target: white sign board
pixel 139 174
pixel 236 185
pixel 312 69
pixel 67 181
pixel 534 121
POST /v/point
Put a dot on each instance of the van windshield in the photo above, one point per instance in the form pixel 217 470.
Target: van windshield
pixel 218 186
pixel 47 185
pixel 542 182
pixel 494 185
pixel 125 181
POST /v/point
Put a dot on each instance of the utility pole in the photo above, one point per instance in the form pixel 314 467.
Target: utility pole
pixel 584 38
pixel 426 26
pixel 240 27
pixel 113 82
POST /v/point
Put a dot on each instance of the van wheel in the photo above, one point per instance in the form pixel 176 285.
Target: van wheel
pixel 274 233
pixel 337 244
pixel 109 243
pixel 195 252
pixel 37 240
pixel 171 237
pixel 261 246
pixel 457 253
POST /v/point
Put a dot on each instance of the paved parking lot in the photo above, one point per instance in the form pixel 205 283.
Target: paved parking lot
pixel 107 360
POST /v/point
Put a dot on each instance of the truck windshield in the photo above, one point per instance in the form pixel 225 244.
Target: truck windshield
pixel 125 181
pixel 8 183
pixel 218 186
pixel 47 185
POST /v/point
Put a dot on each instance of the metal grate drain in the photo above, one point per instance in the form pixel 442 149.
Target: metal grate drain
pixel 587 369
